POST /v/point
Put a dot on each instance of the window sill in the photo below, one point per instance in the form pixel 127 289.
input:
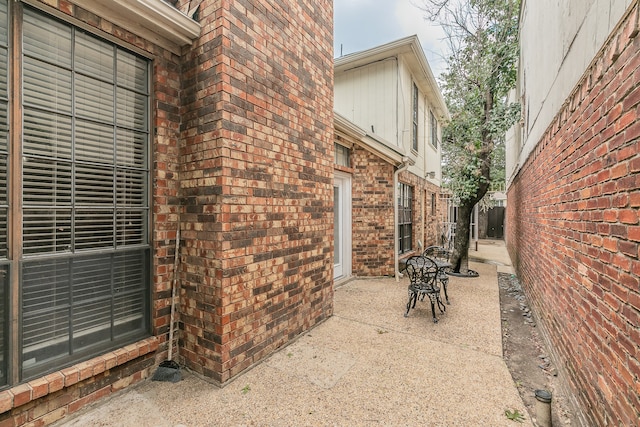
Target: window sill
pixel 40 387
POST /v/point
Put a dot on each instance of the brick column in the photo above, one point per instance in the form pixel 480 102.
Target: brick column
pixel 257 181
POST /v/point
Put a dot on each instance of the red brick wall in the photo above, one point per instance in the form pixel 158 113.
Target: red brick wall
pixel 573 232
pixel 427 224
pixel 50 398
pixel 257 182
pixel 373 219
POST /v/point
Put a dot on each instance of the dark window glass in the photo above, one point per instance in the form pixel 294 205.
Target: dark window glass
pixel 434 129
pixel 405 228
pixel 414 133
pixel 85 195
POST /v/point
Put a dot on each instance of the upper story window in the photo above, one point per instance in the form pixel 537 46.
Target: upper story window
pixel 414 132
pixel 434 129
pixel 342 157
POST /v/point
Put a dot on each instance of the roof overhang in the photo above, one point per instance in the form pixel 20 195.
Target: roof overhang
pixel 153 20
pixel 372 143
pixel 411 51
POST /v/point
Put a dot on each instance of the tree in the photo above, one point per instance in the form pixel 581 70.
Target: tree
pixel 481 70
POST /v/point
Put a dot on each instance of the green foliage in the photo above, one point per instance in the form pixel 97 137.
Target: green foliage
pixel 514 415
pixel 481 70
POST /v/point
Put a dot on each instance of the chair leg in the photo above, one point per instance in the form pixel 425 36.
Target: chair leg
pixel 433 311
pixel 445 282
pixel 433 298
pixel 412 296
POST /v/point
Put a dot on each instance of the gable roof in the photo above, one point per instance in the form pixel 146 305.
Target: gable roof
pixel 412 52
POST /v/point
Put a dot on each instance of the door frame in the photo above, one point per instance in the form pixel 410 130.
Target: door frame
pixel 342 269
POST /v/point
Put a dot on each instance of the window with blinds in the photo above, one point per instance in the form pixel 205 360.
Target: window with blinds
pixel 85 252
pixel 342 155
pixel 405 222
pixel 4 190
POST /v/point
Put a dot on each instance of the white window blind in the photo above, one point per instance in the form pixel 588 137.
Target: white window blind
pixel 85 177
pixel 5 266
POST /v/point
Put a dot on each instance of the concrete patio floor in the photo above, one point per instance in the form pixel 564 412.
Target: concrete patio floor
pixel 366 365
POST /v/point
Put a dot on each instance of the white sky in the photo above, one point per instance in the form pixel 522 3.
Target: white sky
pixel 363 24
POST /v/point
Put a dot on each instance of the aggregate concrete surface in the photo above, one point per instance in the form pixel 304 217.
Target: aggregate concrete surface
pixel 366 365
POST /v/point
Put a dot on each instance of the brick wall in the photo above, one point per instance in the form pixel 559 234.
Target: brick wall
pixel 427 224
pixel 373 219
pixel 257 183
pixel 573 232
pixel 47 399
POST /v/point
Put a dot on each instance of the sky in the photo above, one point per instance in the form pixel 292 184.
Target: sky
pixel 363 24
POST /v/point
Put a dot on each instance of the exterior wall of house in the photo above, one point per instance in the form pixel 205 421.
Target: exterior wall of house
pixel 243 163
pixel 374 90
pixel 373 230
pixel 373 219
pixel 257 182
pixel 378 98
pixel 573 231
pixel 428 222
pixel 573 33
pixel 51 397
pixel 427 157
pixel 368 97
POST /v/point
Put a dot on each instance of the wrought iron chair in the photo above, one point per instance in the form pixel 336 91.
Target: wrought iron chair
pixel 423 272
pixel 441 256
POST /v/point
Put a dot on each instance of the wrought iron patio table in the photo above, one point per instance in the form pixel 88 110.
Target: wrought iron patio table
pixel 441 256
pixel 443 267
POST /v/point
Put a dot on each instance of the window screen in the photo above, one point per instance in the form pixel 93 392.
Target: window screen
pixel 405 226
pixel 414 132
pixel 342 157
pixel 84 273
pixel 433 124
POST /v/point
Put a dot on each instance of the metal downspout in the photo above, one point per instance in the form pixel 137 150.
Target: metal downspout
pixel 403 166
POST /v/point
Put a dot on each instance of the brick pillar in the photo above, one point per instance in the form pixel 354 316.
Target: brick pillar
pixel 373 226
pixel 257 181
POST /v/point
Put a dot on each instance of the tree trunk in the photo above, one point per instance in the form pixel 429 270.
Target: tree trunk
pixel 460 256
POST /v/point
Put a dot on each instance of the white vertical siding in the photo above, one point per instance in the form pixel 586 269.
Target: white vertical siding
pixel 378 97
pixel 558 41
pixel 367 96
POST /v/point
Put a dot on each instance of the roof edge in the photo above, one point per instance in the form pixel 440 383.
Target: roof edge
pixel 407 45
pixel 154 20
pixel 371 143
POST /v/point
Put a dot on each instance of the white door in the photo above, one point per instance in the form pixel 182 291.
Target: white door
pixel 342 225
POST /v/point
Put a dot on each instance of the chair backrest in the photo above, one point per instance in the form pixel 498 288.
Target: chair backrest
pixel 437 252
pixel 421 269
